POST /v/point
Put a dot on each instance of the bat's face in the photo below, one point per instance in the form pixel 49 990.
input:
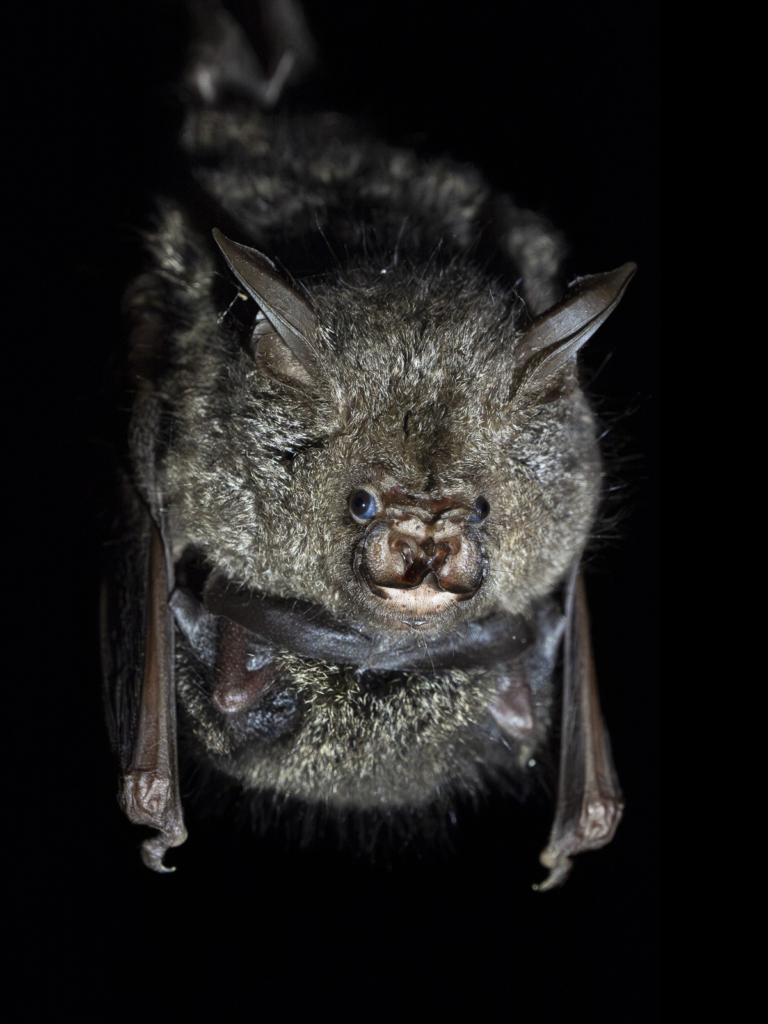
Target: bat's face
pixel 413 484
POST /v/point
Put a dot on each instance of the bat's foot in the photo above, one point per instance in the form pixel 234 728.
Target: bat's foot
pixel 223 62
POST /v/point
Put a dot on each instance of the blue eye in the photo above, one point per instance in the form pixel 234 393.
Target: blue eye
pixel 362 505
pixel 481 509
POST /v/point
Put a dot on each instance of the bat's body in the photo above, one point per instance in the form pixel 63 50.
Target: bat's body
pixel 360 494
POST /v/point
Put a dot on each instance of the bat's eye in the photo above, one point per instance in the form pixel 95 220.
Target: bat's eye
pixel 362 505
pixel 481 510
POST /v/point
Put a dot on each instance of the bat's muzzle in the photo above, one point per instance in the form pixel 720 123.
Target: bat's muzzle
pixel 422 566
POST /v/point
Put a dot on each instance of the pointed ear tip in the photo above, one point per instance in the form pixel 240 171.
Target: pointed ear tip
pixel 626 271
pixel 616 281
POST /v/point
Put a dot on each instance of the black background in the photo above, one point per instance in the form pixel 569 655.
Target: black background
pixel 557 104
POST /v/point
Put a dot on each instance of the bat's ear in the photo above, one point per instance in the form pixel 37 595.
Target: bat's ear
pixel 283 342
pixel 556 336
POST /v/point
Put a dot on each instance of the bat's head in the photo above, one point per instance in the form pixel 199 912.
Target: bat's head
pixel 407 450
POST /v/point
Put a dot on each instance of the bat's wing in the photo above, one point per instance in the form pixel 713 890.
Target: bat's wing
pixel 137 623
pixel 589 802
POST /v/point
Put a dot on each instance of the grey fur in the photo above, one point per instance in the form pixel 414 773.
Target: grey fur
pixel 419 382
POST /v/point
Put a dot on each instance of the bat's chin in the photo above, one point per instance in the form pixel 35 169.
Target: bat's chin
pixel 424 607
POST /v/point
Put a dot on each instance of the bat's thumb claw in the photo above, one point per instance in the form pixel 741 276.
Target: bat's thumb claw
pixel 559 868
pixel 154 850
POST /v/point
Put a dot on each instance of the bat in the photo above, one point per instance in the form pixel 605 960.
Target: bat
pixel 362 476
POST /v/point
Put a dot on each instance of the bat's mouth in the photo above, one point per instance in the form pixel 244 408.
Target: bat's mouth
pixel 420 603
pixel 422 570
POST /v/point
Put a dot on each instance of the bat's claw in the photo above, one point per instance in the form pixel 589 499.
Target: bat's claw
pixel 154 849
pixel 150 797
pixel 559 868
pixel 152 853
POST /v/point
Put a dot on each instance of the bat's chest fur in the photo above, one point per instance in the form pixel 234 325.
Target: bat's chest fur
pixel 351 740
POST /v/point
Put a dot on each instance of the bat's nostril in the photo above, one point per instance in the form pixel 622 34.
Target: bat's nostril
pixel 390 558
pixel 439 557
